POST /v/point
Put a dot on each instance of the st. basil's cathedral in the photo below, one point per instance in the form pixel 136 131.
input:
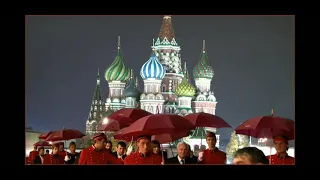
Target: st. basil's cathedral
pixel 167 87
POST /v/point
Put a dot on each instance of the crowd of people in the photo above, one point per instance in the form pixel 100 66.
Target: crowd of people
pixel 149 152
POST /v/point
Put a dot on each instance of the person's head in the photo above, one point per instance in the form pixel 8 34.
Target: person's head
pixel 34 148
pixel 211 139
pixel 55 148
pixel 61 146
pixel 41 151
pixel 47 151
pixel 281 144
pixel 72 147
pixel 108 145
pixel 182 149
pixel 249 156
pixel 99 141
pixel 144 144
pixel 155 146
pixel 189 150
pixel 121 147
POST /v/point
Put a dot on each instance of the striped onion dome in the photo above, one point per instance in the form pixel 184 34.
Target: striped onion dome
pixel 203 68
pixel 117 71
pixel 152 68
pixel 185 88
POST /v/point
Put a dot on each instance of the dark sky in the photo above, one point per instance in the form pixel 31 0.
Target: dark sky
pixel 252 56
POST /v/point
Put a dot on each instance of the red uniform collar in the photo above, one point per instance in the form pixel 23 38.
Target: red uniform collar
pixel 214 150
pixel 284 155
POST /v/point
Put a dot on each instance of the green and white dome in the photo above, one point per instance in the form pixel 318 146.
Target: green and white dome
pixel 202 68
pixel 117 71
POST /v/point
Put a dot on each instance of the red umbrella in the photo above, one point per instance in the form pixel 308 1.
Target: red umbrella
pixel 120 136
pixel 157 124
pixel 64 135
pixel 127 116
pixel 111 125
pixel 267 127
pixel 207 120
pixel 42 143
pixel 45 135
pixel 170 137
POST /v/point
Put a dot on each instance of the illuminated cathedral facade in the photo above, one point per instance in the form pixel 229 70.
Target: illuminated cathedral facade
pixel 167 86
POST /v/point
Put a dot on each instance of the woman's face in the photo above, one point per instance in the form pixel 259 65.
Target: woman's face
pixel 55 150
pixel 156 149
pixel 72 148
pixel 108 146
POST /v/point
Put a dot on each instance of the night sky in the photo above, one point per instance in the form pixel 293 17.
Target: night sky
pixel 252 56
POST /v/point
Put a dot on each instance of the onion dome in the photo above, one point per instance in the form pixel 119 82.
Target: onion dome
pixel 132 90
pixel 185 89
pixel 117 71
pixel 152 68
pixel 202 68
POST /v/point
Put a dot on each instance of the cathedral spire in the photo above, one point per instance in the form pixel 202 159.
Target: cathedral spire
pixel 166 30
pixel 98 78
pixel 137 83
pixel 119 45
pixel 204 46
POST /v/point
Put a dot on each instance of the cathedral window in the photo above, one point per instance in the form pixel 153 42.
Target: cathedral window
pixel 95 108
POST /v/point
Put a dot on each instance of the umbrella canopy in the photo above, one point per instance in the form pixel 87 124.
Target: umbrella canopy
pixel 42 143
pixel 170 137
pixel 111 125
pixel 157 124
pixel 127 116
pixel 64 135
pixel 45 135
pixel 121 136
pixel 267 127
pixel 207 120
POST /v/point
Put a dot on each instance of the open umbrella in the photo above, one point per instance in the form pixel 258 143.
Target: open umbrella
pixel 64 135
pixel 207 120
pixel 170 137
pixel 42 143
pixel 127 116
pixel 110 125
pixel 45 135
pixel 267 127
pixel 156 124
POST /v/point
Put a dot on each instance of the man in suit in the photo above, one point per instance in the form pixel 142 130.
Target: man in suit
pixel 120 151
pixel 182 157
pixel 39 158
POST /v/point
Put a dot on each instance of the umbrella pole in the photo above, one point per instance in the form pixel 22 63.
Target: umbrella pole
pixel 162 154
pixel 201 140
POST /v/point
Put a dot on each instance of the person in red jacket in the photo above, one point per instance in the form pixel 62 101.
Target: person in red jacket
pixel 53 158
pixel 32 154
pixel 144 155
pixel 281 157
pixel 212 155
pixel 97 154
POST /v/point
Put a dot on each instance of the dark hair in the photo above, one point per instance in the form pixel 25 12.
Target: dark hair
pixel 156 143
pixel 72 144
pixel 41 147
pixel 254 154
pixel 189 147
pixel 109 142
pixel 122 144
pixel 47 151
